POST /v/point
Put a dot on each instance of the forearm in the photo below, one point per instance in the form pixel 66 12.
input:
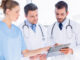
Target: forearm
pixel 29 53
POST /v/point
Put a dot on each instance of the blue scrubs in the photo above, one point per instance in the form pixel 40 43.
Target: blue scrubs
pixel 11 42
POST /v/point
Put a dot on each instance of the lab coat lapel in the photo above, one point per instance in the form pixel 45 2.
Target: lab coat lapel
pixel 34 40
pixel 60 35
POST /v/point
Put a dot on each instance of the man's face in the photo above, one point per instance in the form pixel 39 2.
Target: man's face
pixel 32 16
pixel 61 14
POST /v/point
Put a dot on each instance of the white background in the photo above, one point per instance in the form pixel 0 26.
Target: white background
pixel 46 10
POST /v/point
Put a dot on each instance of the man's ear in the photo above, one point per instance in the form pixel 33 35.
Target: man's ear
pixel 7 11
pixel 26 16
pixel 67 12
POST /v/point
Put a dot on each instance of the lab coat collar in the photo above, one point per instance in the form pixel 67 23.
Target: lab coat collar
pixel 65 22
pixel 28 23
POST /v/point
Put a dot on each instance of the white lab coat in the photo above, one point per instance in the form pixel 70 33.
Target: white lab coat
pixel 62 37
pixel 33 39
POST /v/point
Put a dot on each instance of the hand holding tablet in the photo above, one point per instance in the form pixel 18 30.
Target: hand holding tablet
pixel 55 50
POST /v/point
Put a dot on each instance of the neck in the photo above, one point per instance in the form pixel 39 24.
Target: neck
pixel 63 20
pixel 7 21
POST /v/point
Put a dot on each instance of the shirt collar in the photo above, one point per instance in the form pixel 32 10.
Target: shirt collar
pixel 64 22
pixel 29 24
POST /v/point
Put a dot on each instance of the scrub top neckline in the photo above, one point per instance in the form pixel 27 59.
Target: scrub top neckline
pixel 7 26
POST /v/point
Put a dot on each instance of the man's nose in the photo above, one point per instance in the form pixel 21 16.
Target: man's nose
pixel 59 16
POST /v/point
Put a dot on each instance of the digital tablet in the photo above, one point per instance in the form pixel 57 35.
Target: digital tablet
pixel 55 50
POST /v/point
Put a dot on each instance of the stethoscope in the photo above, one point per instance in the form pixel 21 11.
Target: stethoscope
pixel 25 25
pixel 69 25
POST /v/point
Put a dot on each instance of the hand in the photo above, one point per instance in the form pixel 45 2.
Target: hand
pixel 34 57
pixel 45 48
pixel 39 56
pixel 66 50
pixel 57 44
pixel 43 57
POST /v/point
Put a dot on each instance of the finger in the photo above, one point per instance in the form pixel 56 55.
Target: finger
pixel 57 44
pixel 65 52
pixel 32 57
pixel 43 57
pixel 47 48
pixel 39 55
pixel 64 49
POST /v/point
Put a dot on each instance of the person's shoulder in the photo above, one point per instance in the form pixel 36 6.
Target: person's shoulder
pixel 74 23
pixel 1 25
pixel 1 22
pixel 16 28
pixel 21 25
pixel 41 26
pixel 52 25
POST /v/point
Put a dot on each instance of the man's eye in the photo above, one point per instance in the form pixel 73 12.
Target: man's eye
pixel 32 16
pixel 62 14
pixel 57 14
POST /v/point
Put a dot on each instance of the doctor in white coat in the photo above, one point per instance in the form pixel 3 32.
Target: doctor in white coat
pixel 65 31
pixel 34 33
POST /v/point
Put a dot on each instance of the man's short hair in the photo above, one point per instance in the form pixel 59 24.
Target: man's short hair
pixel 61 4
pixel 30 7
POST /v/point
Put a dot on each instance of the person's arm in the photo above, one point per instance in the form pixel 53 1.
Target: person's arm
pixel 76 49
pixel 29 53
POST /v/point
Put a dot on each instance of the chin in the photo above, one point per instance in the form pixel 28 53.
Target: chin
pixel 34 22
pixel 60 21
